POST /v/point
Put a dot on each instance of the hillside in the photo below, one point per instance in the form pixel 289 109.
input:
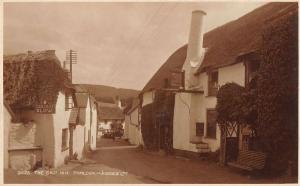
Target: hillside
pixel 106 92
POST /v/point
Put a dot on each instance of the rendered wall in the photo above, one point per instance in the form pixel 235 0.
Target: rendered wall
pixel 78 140
pixel 185 122
pixel 61 121
pixel 93 128
pixel 135 134
pixel 44 134
pixel 23 136
pixel 148 98
pixel 126 129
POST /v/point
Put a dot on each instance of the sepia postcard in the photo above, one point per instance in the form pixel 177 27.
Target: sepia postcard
pixel 164 92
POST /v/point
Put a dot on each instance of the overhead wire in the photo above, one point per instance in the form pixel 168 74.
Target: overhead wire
pixel 139 37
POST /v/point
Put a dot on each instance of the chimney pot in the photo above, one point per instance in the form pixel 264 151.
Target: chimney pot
pixel 199 11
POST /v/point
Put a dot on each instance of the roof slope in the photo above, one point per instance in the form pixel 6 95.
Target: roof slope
pixel 241 36
pixel 32 78
pixel 174 62
pixel 103 91
pixel 225 43
pixel 109 113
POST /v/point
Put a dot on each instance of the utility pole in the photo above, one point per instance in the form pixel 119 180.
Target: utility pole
pixel 71 58
pixel 71 65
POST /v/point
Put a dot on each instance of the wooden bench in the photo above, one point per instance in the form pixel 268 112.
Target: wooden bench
pixel 249 160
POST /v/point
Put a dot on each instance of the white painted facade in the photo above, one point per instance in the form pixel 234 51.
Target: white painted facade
pixel 148 98
pixel 103 126
pixel 46 132
pixel 93 124
pixel 126 126
pixel 134 128
pixel 191 108
pixel 84 136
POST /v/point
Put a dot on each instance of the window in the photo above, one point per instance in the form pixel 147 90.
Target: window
pixel 64 141
pixel 199 129
pixel 213 83
pixel 69 104
pixel 211 124
pixel 251 68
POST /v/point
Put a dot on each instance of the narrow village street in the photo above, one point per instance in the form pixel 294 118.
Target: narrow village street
pixel 137 166
pixel 150 93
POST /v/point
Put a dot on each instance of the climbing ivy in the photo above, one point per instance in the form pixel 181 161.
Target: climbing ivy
pixel 29 82
pixel 277 91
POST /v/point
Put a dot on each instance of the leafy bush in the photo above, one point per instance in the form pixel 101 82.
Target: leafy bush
pixel 230 104
pixel 277 91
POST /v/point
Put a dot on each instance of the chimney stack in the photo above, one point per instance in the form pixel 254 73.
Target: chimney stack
pixel 195 50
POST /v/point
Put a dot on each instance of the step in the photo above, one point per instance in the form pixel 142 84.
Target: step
pixel 202 146
pixel 207 150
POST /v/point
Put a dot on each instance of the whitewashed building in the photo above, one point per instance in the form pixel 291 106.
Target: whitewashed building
pixel 38 118
pixel 226 54
pixel 132 124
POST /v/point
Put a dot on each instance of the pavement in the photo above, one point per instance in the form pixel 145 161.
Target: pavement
pixel 133 165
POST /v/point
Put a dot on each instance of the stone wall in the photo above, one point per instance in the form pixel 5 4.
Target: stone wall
pixel 24 159
pixel 22 144
pixel 22 135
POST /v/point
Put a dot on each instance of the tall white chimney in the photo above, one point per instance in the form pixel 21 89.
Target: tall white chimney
pixel 194 51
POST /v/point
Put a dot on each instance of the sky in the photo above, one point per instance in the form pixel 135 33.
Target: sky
pixel 118 44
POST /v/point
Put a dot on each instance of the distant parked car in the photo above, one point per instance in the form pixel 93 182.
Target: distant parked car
pixel 108 134
pixel 119 133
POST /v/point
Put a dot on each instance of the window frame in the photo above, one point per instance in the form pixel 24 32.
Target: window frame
pixel 207 135
pixel 69 102
pixel 211 89
pixel 198 124
pixel 247 64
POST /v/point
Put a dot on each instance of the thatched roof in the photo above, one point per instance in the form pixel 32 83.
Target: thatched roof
pixel 173 63
pixel 109 112
pixel 226 43
pixel 105 99
pixel 31 78
pixel 39 56
pixel 132 106
pixel 241 36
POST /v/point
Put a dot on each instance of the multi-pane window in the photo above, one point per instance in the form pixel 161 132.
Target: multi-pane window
pixel 211 128
pixel 69 104
pixel 64 141
pixel 213 83
pixel 199 129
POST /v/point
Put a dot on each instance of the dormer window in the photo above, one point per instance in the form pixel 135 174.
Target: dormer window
pixel 213 78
